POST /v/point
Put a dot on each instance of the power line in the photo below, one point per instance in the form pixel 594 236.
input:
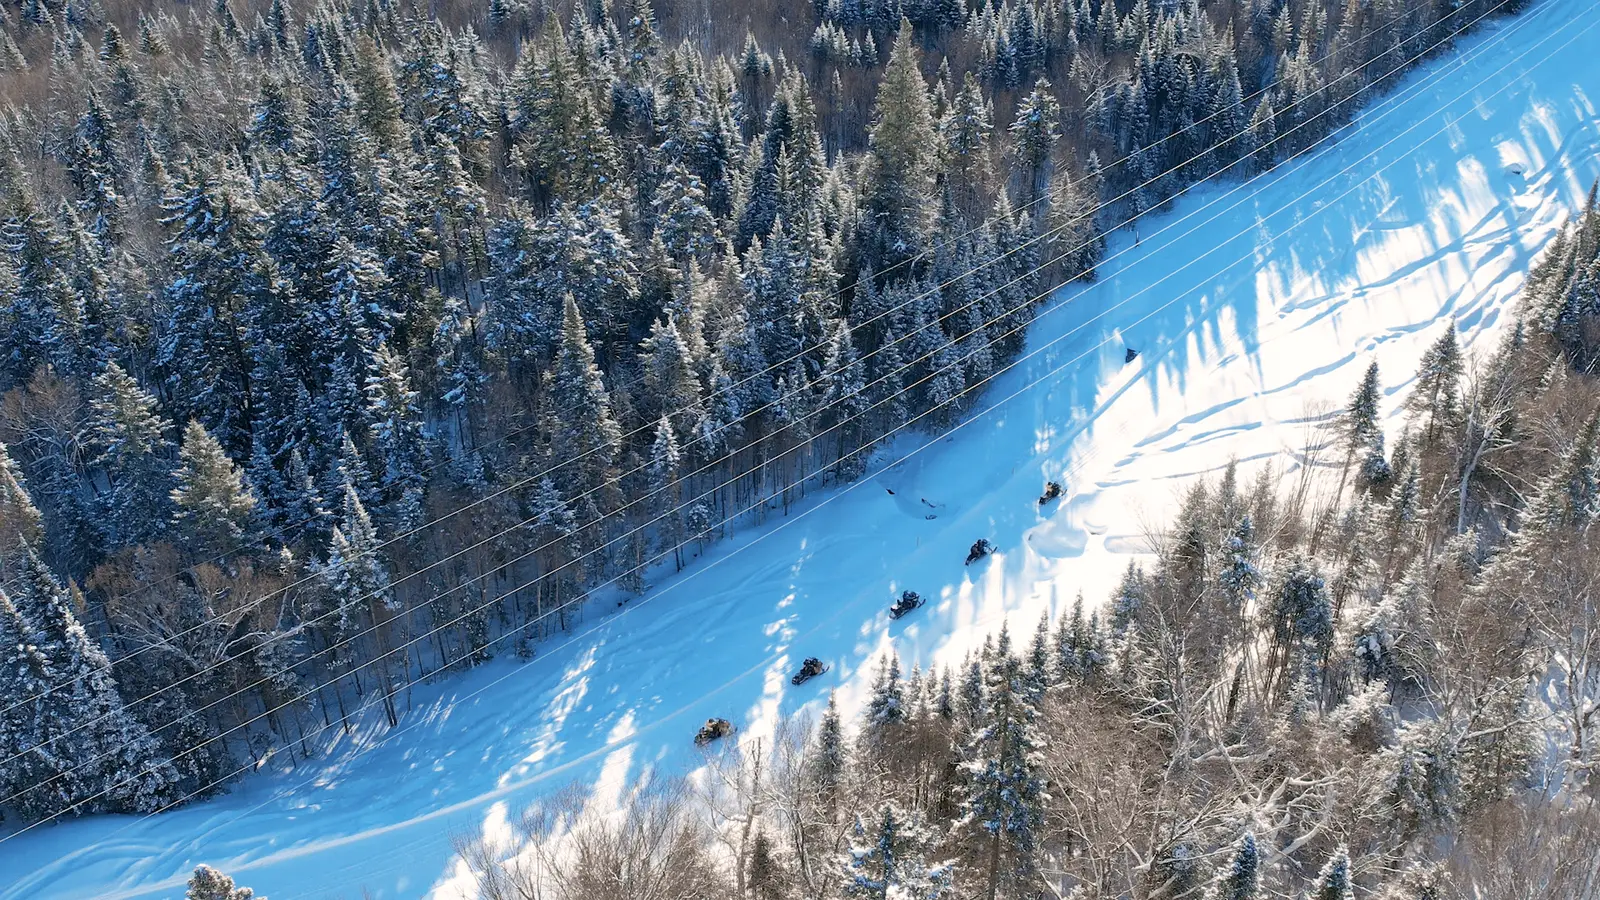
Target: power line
pixel 733 479
pixel 972 387
pixel 166 640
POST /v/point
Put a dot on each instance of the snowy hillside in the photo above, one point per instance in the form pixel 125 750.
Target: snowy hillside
pixel 1254 309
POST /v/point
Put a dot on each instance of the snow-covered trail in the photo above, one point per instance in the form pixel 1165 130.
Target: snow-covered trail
pixel 1254 307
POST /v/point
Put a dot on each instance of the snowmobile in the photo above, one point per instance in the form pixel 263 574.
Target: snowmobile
pixel 979 550
pixel 908 601
pixel 713 729
pixel 1051 491
pixel 1132 354
pixel 810 669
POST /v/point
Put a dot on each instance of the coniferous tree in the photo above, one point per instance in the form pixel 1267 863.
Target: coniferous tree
pixel 216 264
pixel 20 520
pixel 1240 877
pixel 1333 882
pixel 887 858
pixel 586 436
pixel 1007 786
pixel 137 457
pixel 80 749
pixel 900 172
pixel 213 506
pixel 398 438
pixel 1436 393
pixel 208 884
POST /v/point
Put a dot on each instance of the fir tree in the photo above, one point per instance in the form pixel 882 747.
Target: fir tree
pixel 213 506
pixel 1006 796
pixel 900 166
pixel 1127 602
pixel 1240 577
pixel 886 859
pixel 82 751
pixel 398 438
pixel 1436 393
pixel 1240 878
pixel 20 520
pixel 208 884
pixel 828 760
pixel 587 436
pixel 1033 137
pixel 886 710
pixel 1333 882
pixel 137 457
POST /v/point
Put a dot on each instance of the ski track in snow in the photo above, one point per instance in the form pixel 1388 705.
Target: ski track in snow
pixel 1249 333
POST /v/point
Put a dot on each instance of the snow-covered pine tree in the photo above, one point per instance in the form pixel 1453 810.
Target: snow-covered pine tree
pixel 1436 392
pixel 887 859
pixel 669 375
pixel 1240 877
pixel 20 520
pixel 398 439
pixel 354 581
pixel 217 259
pixel 1361 414
pixel 586 437
pixel 1240 577
pixel 1006 784
pixel 131 434
pixel 886 710
pixel 208 884
pixel 1033 138
pixel 900 175
pixel 1333 882
pixel 827 768
pixel 1129 599
pixel 1302 610
pixel 80 742
pixel 213 507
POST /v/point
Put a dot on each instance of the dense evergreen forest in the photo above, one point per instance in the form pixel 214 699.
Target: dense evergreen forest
pixel 344 345
pixel 1375 675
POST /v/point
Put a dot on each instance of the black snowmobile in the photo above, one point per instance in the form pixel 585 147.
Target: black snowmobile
pixel 809 669
pixel 979 550
pixel 713 729
pixel 908 601
pixel 1051 491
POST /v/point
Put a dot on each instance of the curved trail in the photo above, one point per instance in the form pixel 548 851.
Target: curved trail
pixel 1235 367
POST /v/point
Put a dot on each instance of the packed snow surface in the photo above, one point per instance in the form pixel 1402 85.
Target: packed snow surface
pixel 1255 309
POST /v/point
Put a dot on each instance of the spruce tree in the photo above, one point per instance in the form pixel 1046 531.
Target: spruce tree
pixel 1006 794
pixel 1436 393
pixel 1240 577
pixel 213 507
pixel 1240 878
pixel 886 858
pixel 20 520
pixel 137 457
pixel 1333 882
pixel 828 759
pixel 208 884
pixel 398 439
pixel 900 169
pixel 586 437
pixel 216 264
pixel 1033 137
pixel 79 742
pixel 886 710
pixel 1361 415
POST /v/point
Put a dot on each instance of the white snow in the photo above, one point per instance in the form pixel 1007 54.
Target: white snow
pixel 1255 309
